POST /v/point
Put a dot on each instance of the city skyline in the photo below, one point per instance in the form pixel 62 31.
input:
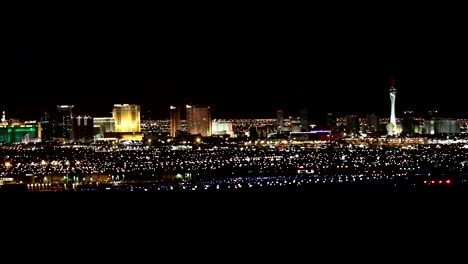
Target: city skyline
pixel 237 77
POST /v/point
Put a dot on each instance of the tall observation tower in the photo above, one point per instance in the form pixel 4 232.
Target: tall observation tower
pixel 392 125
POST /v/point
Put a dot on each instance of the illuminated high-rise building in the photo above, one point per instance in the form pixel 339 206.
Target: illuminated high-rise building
pixel 175 119
pixel 392 128
pixel 126 118
pixel 199 120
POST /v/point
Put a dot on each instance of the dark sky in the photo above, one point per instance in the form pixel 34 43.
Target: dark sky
pixel 242 74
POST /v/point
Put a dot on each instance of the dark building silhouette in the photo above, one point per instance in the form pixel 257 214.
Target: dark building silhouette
pixel 304 117
pixel 431 114
pixel 331 121
pixel 253 134
pixel 83 128
pixel 408 123
pixel 280 118
pixel 372 123
pixel 57 124
pixel 262 132
pixel 352 125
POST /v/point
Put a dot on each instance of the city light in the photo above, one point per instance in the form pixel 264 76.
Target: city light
pixel 75 152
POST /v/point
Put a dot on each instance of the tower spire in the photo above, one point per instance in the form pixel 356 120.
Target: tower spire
pixel 392 125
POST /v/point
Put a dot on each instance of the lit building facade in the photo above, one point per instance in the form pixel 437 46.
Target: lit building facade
pixel 126 118
pixel 103 125
pixel 3 121
pixel 19 133
pixel 222 128
pixel 199 120
pixel 442 126
pixel 127 123
pixel 295 124
pixel 174 119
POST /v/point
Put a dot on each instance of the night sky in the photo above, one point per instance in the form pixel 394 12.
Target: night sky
pixel 243 75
